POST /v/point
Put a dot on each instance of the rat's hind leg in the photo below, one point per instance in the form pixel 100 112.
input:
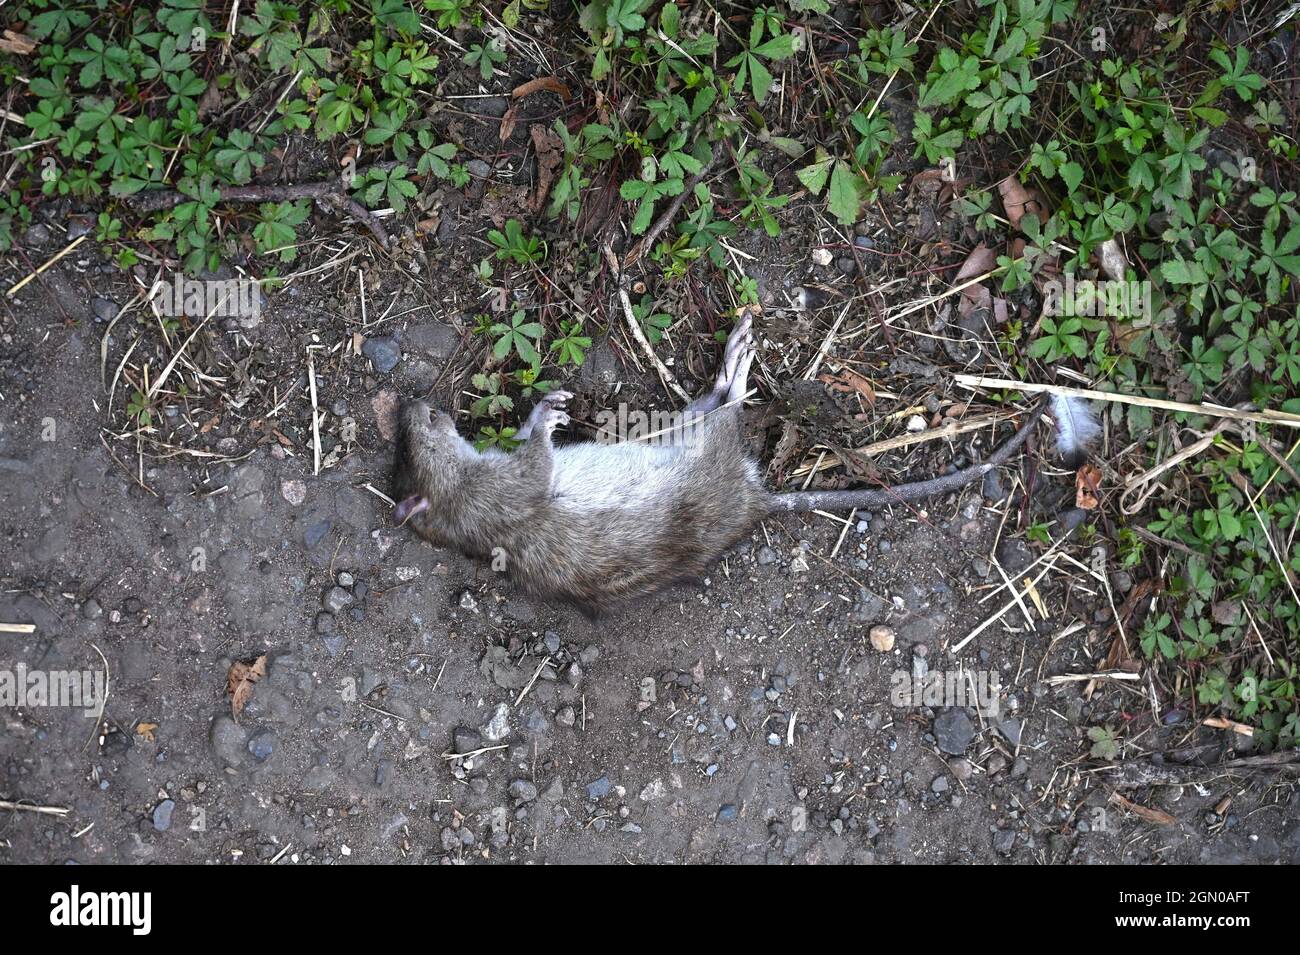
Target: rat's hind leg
pixel 739 344
pixel 547 414
pixel 740 380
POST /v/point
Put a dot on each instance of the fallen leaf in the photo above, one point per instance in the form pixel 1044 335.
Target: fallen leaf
pixel 210 101
pixel 508 122
pixel 1157 816
pixel 1018 201
pixel 1087 482
pixel 850 381
pixel 240 680
pixel 1000 310
pixel 1226 613
pixel 17 43
pixel 145 731
pixel 980 260
pixel 550 156
pixel 548 83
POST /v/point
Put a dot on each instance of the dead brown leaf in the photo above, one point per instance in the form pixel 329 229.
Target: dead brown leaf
pixel 980 260
pixel 550 156
pixel 849 380
pixel 17 43
pixel 210 101
pixel 145 731
pixel 240 680
pixel 1157 816
pixel 1087 484
pixel 1018 201
pixel 549 83
pixel 1226 613
pixel 508 123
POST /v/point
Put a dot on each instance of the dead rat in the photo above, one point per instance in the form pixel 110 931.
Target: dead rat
pixel 601 524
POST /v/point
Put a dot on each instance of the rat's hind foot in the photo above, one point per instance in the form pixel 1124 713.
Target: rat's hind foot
pixel 735 363
pixel 546 414
pixel 739 341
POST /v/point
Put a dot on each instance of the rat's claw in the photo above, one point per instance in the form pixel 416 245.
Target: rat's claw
pixel 553 418
pixel 557 399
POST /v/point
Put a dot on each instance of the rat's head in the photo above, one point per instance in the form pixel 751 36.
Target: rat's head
pixel 428 465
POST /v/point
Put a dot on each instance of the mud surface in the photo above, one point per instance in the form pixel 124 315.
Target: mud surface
pixel 748 719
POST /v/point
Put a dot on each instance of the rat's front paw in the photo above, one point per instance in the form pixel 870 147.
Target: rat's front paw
pixel 556 399
pixel 552 418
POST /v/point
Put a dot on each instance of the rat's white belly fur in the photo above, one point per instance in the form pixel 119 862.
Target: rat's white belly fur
pixel 598 476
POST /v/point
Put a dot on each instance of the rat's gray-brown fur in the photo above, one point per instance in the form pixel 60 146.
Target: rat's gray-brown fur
pixel 598 525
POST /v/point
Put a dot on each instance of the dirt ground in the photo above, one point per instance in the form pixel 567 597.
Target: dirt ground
pixel 747 719
pixel 771 735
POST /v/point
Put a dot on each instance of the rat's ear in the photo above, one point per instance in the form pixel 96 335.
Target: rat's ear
pixel 409 507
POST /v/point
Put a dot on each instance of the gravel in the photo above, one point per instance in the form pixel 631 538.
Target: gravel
pixel 954 731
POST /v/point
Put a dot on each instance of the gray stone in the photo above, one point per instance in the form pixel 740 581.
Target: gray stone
pixel 954 731
pixel 315 533
pixel 598 789
pixel 104 310
pixel 465 740
pixel 227 740
pixel 497 727
pixel 523 790
pixel 337 600
pixel 436 339
pixel 384 353
pixel 262 745
pixel 162 815
pixel 1010 730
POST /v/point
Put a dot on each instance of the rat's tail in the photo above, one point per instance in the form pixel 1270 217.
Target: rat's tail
pixel 869 498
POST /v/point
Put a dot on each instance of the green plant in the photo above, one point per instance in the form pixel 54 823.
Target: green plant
pixel 514 245
pixel 518 334
pixel 753 58
pixel 486 56
pixel 570 348
pixel 1105 742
